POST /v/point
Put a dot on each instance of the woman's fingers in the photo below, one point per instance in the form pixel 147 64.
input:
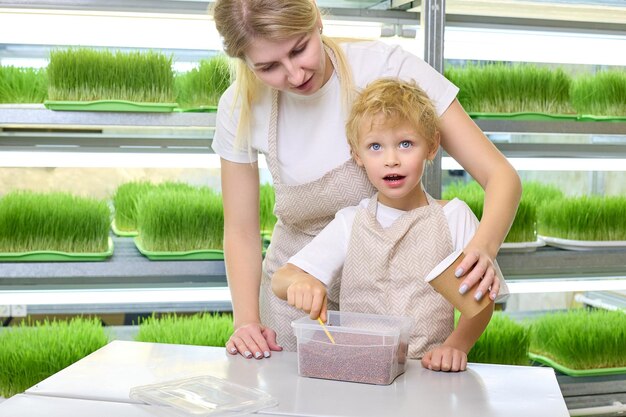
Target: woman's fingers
pixel 252 341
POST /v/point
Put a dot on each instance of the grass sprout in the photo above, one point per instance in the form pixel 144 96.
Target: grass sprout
pixel 31 353
pixel 55 222
pixel 203 86
pixel 267 199
pixel 172 220
pixel 524 227
pixel 202 329
pixel 82 74
pixel 601 93
pixel 504 88
pixel 504 341
pixel 22 85
pixel 584 218
pixel 581 339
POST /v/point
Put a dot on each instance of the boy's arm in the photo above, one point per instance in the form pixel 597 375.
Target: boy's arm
pixel 468 330
pixel 301 290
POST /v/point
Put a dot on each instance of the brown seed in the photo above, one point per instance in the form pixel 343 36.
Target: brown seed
pixel 370 359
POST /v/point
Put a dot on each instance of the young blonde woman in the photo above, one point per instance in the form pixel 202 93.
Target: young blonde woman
pixel 289 102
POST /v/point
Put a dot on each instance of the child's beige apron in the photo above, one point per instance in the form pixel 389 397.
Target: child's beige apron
pixel 391 280
pixel 302 212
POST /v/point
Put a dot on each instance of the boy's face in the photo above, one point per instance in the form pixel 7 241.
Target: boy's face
pixel 394 155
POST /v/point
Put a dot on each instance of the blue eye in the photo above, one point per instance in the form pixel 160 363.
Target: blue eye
pixel 405 144
pixel 375 146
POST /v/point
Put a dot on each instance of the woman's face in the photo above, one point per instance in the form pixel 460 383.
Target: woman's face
pixel 299 64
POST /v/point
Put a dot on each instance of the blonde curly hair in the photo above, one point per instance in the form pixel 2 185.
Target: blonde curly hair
pixel 395 99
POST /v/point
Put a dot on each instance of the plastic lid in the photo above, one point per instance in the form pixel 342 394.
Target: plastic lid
pixel 204 396
pixel 442 266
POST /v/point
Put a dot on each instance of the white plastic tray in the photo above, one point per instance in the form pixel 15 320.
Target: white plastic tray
pixel 522 247
pixel 583 245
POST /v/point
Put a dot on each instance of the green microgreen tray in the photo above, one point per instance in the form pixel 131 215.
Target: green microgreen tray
pixel 110 106
pixel 201 109
pixel 534 116
pixel 575 372
pixel 123 233
pixel 193 255
pixel 56 256
pixel 592 118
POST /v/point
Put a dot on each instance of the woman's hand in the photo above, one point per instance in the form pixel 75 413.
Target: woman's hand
pixel 446 359
pixel 478 267
pixel 252 340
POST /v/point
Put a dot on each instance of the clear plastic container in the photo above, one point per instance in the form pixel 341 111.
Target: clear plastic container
pixel 368 348
pixel 203 396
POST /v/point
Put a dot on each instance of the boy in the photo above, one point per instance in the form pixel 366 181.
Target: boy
pixel 388 243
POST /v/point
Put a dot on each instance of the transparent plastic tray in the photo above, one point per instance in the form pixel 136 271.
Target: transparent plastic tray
pixel 203 396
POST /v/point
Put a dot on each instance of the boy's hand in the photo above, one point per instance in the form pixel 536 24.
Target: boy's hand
pixel 446 359
pixel 308 294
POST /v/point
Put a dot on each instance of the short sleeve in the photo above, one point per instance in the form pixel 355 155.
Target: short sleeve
pixel 226 130
pixel 325 255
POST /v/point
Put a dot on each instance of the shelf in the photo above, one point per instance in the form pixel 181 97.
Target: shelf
pixel 550 262
pixel 37 116
pixel 545 127
pixel 126 266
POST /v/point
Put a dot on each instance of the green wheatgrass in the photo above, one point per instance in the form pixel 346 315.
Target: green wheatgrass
pixel 53 222
pixel 504 341
pixel 22 85
pixel 523 228
pixel 504 88
pixel 85 75
pixel 203 86
pixel 584 218
pixel 31 353
pixel 600 94
pixel 581 339
pixel 181 220
pixel 127 196
pixel 202 329
pixel 267 199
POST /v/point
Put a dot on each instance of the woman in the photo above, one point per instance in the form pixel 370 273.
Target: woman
pixel 289 102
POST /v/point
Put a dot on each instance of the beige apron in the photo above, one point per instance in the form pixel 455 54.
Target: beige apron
pixel 303 211
pixel 385 269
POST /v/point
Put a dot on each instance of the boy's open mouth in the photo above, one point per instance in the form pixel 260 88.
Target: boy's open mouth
pixel 393 177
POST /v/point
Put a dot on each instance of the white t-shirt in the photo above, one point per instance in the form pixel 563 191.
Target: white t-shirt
pixel 325 255
pixel 313 127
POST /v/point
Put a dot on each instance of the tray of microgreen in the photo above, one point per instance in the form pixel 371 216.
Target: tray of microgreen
pixel 181 224
pixel 125 200
pixel 504 342
pixel 31 352
pixel 267 219
pixel 203 329
pixel 600 96
pixel 53 227
pixel 520 91
pixel 584 223
pixel 533 116
pixel 22 85
pixel 522 236
pixel 200 89
pixel 82 79
pixel 581 342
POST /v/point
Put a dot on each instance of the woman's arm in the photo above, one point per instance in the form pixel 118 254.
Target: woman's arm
pixel 242 250
pixel 467 144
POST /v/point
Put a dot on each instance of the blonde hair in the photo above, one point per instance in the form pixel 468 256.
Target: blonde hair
pixel 240 21
pixel 394 99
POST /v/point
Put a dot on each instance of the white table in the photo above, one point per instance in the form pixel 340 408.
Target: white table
pixel 483 390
